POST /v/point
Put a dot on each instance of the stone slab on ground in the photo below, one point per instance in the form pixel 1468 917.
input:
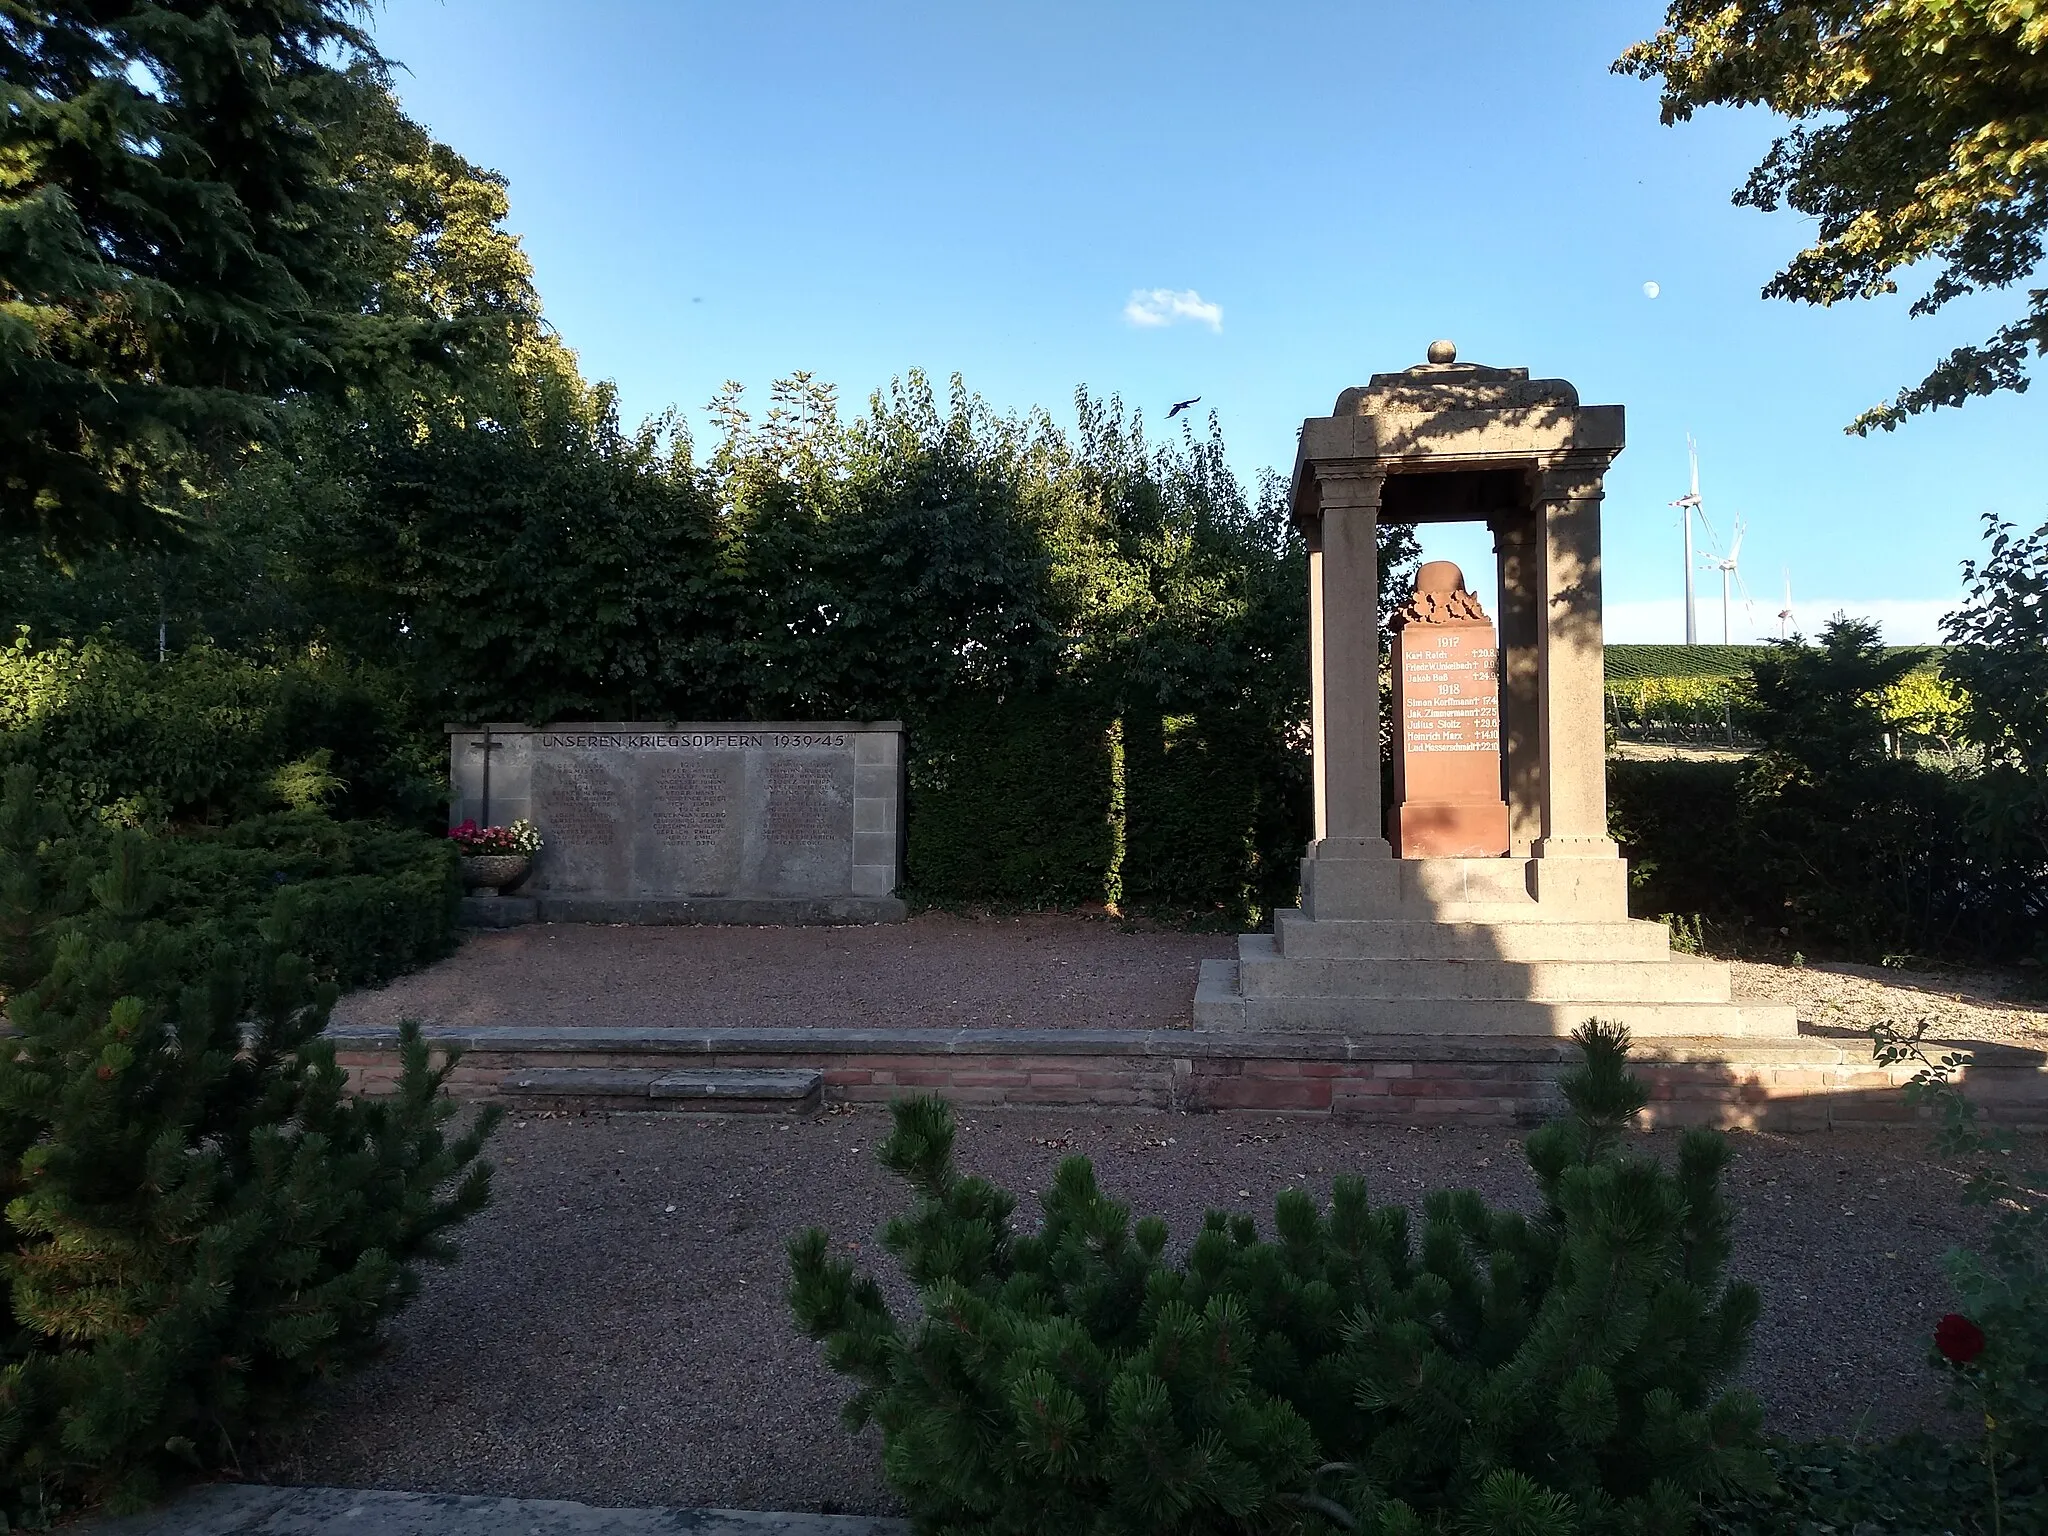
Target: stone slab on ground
pixel 497 911
pixel 718 1090
pixel 248 1509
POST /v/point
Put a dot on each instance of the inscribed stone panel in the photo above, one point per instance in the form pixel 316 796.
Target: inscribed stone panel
pixel 808 821
pixel 579 806
pixel 677 812
pixel 696 824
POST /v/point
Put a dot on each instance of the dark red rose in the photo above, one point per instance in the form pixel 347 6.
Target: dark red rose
pixel 1958 1339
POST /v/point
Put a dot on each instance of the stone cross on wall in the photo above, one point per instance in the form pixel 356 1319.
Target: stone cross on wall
pixel 1447 780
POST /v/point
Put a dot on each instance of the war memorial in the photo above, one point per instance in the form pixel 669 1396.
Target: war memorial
pixel 1489 898
pixel 673 822
pixel 1462 907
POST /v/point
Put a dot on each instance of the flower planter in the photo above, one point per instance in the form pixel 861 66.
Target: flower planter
pixel 497 872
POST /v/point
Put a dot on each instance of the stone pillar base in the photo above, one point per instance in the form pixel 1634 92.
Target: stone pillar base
pixel 1473 890
pixel 1341 878
pixel 1584 885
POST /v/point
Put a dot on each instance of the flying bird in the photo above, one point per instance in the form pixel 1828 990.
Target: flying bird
pixel 1181 405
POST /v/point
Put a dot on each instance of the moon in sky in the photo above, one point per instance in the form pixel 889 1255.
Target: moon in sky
pixel 1651 290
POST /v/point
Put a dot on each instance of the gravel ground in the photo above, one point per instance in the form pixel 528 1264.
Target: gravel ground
pixel 1957 1005
pixel 1040 971
pixel 616 1329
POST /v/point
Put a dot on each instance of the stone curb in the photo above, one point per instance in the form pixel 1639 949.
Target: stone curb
pixel 1806 1048
pixel 245 1509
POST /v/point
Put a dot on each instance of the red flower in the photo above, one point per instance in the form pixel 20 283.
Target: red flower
pixel 1958 1339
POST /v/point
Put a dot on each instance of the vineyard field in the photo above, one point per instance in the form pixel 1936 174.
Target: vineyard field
pixel 1638 663
pixel 1632 663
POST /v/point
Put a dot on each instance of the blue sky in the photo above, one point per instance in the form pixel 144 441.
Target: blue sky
pixel 714 191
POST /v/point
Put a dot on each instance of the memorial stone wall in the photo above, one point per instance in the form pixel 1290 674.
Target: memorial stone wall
pixel 770 822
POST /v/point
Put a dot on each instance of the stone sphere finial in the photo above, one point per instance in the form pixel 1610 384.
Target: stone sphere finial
pixel 1441 577
pixel 1443 351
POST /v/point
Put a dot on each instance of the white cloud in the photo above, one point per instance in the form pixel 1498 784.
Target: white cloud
pixel 1661 621
pixel 1151 307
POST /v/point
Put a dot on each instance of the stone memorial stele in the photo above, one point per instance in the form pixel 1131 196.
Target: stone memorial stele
pixel 1447 762
pixel 1415 941
pixel 717 823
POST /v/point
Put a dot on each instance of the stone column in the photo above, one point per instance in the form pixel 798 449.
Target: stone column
pixel 1318 694
pixel 1583 869
pixel 1514 544
pixel 1345 653
pixel 1350 870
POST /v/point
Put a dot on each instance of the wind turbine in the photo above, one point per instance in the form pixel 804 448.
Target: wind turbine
pixel 1727 569
pixel 1687 505
pixel 1785 613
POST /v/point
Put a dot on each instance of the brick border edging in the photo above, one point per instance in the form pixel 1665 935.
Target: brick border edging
pixel 1812 1081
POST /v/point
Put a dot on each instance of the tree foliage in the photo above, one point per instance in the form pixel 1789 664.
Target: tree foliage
pixel 1831 838
pixel 206 212
pixel 1999 660
pixel 1920 135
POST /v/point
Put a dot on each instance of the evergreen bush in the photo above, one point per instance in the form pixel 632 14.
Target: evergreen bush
pixel 1502 1375
pixel 359 902
pixel 208 736
pixel 200 1221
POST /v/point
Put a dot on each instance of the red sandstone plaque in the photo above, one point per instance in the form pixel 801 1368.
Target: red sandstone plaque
pixel 1447 800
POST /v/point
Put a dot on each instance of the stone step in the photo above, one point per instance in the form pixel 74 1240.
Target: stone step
pixel 702 1090
pixel 1417 939
pixel 1221 1004
pixel 739 1089
pixel 1673 979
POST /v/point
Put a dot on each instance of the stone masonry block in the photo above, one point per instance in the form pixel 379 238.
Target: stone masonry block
pixel 875 781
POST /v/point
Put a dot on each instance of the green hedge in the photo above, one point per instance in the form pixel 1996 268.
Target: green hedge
pixel 1015 800
pixel 1678 825
pixel 1054 799
pixel 1217 814
pixel 361 902
pixel 1886 861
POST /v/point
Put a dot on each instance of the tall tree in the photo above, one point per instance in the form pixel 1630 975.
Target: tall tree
pixel 1920 134
pixel 187 241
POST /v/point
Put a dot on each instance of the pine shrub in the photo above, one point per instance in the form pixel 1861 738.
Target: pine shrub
pixel 200 1221
pixel 1502 1375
